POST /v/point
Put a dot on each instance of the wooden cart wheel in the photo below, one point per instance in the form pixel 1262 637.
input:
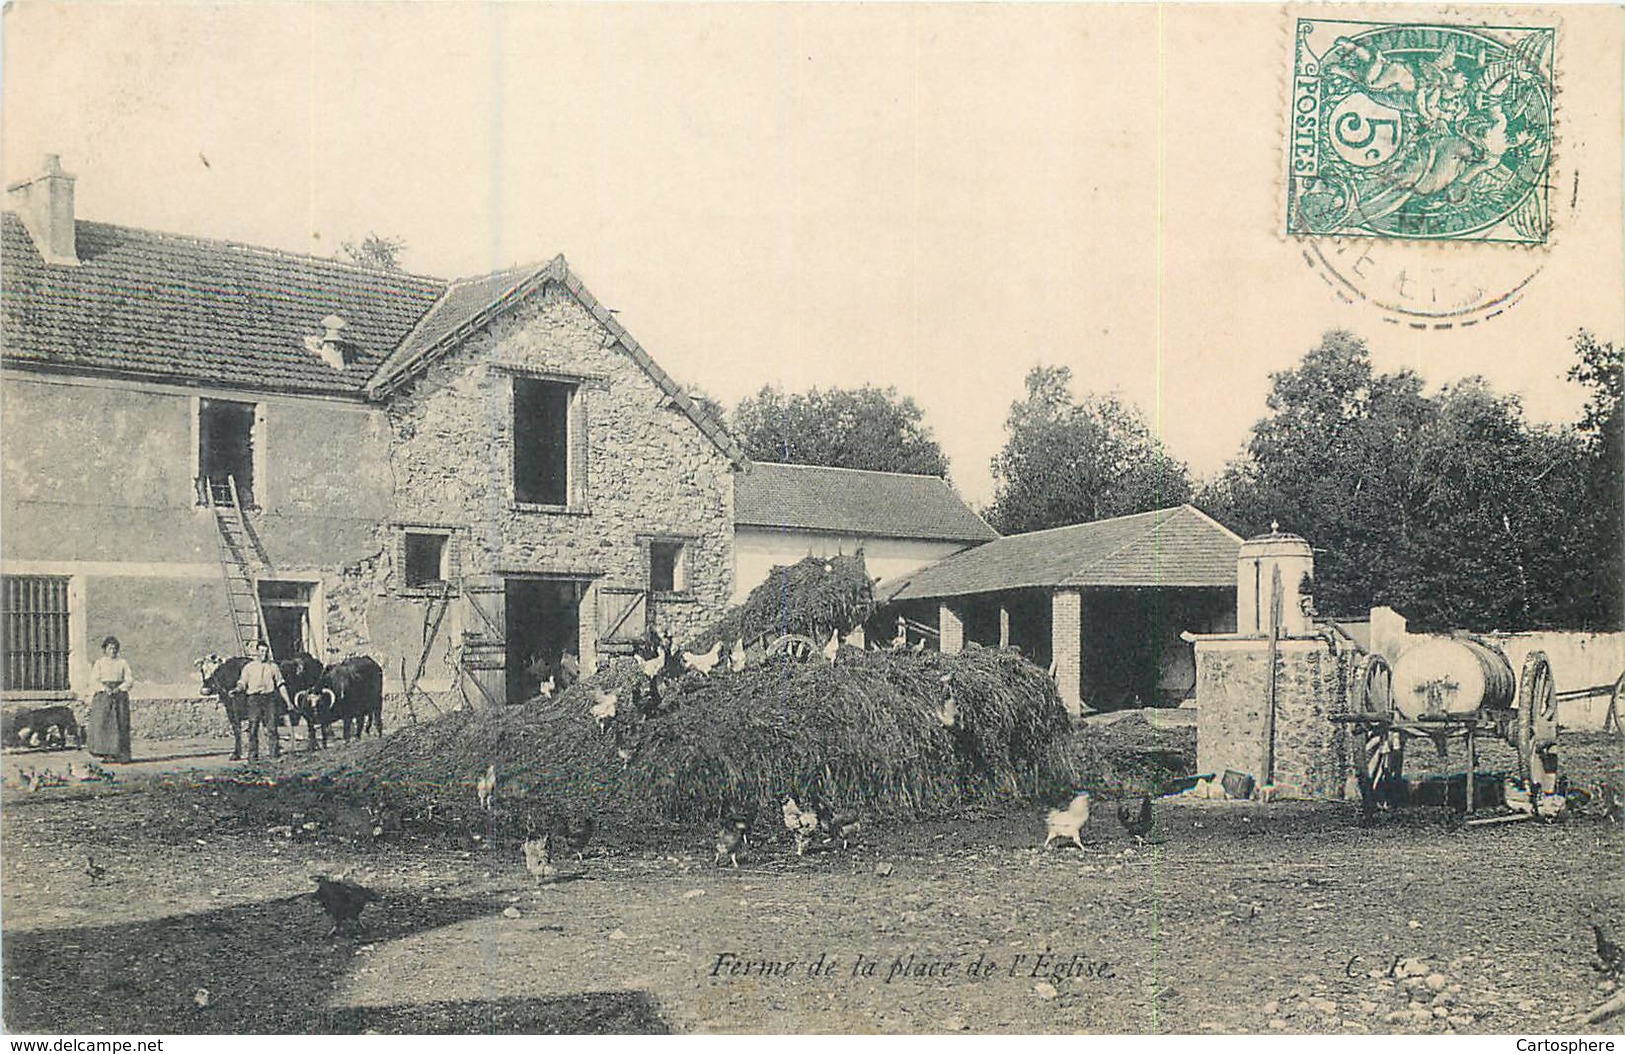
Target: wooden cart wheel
pixel 1373 686
pixel 1377 757
pixel 793 646
pixel 1537 717
pixel 1614 721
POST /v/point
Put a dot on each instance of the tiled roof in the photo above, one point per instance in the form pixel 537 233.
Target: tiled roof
pixel 196 311
pixel 183 309
pixel 850 501
pixel 1181 546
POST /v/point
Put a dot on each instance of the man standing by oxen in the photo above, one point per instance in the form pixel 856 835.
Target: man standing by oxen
pixel 261 682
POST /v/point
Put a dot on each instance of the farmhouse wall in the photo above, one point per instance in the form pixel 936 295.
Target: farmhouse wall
pixel 757 550
pixel 649 470
pixel 1232 724
pixel 98 486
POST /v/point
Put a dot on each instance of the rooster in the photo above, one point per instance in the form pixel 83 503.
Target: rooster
pixel 736 657
pixel 833 648
pixel 1611 957
pixel 486 787
pixel 539 858
pixel 343 901
pixel 1136 822
pixel 565 833
pixel 603 711
pixel 652 666
pixel 839 827
pixel 703 663
pixel 733 838
pixel 1068 822
pixel 803 823
pixel 97 872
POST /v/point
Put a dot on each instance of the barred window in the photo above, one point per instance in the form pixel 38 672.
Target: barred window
pixel 36 625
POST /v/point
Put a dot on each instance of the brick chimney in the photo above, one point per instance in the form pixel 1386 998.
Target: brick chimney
pixel 45 205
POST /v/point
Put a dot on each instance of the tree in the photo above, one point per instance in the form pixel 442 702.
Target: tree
pixel 1602 506
pixel 1065 462
pixel 867 428
pixel 375 251
pixel 1450 508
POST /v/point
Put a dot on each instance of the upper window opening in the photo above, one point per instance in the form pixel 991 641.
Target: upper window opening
pixel 541 441
pixel 226 449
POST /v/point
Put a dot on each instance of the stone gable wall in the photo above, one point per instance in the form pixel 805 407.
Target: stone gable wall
pixel 649 470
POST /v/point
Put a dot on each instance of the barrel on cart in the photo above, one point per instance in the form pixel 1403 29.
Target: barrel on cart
pixel 1459 687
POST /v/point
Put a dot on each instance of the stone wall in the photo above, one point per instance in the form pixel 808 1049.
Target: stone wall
pixel 1232 713
pixel 648 470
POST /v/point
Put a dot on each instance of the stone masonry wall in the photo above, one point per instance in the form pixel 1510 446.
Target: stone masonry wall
pixel 649 470
pixel 1231 724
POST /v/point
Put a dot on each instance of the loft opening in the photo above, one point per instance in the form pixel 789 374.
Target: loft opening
pixel 426 559
pixel 225 456
pixel 541 440
pixel 285 607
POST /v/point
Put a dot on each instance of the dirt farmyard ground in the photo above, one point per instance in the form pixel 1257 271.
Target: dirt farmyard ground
pixel 1240 917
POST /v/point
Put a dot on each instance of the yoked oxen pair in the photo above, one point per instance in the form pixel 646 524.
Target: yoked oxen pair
pixel 351 691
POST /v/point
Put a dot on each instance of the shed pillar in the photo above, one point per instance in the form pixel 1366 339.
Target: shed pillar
pixel 952 628
pixel 587 629
pixel 1004 624
pixel 1066 645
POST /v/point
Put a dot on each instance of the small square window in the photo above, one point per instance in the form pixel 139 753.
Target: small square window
pixel 425 559
pixel 666 567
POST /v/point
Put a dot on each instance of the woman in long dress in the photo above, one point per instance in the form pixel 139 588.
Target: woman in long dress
pixel 107 734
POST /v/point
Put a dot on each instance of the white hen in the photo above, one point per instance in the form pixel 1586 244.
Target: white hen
pixel 703 663
pixel 736 657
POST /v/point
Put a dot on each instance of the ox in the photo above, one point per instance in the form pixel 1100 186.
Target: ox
pixel 312 703
pixel 220 678
pixel 357 687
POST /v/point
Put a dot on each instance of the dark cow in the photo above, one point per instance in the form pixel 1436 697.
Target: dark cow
pixel 220 677
pixel 303 676
pixel 357 685
pixel 45 726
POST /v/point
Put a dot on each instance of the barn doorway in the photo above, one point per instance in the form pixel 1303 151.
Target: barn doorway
pixel 543 618
pixel 226 447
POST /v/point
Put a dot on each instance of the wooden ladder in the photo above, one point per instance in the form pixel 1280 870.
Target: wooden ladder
pixel 234 541
pixel 432 618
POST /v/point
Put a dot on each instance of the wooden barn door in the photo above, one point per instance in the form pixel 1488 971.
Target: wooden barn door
pixel 485 646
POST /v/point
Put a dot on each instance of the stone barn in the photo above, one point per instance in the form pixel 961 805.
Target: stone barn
pixel 1105 604
pixel 209 442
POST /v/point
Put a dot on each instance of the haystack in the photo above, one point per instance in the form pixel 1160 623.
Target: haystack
pixel 810 598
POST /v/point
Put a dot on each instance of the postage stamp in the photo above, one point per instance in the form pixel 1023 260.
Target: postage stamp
pixel 1420 131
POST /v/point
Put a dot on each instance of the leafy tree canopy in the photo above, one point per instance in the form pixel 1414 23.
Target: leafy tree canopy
pixel 375 251
pixel 1067 462
pixel 867 428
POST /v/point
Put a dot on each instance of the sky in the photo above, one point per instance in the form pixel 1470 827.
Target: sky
pixel 935 198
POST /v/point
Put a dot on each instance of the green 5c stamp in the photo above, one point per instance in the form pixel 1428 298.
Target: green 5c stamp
pixel 1420 132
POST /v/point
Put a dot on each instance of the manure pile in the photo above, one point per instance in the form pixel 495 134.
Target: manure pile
pixel 810 598
pixel 869 731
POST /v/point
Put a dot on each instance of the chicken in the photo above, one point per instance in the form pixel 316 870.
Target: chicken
pixel 1054 668
pixel 900 641
pixel 802 823
pixel 1068 822
pixel 343 901
pixel 733 838
pixel 565 833
pixel 1517 798
pixel 603 710
pixel 833 648
pixel 838 827
pixel 736 657
pixel 486 787
pixel 949 712
pixel 539 858
pixel 1611 958
pixel 652 666
pixel 1613 801
pixel 1136 821
pixel 703 663
pixel 547 688
pixel 96 871
pixel 919 647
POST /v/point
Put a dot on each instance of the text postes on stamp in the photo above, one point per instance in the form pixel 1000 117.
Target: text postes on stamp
pixel 1420 131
